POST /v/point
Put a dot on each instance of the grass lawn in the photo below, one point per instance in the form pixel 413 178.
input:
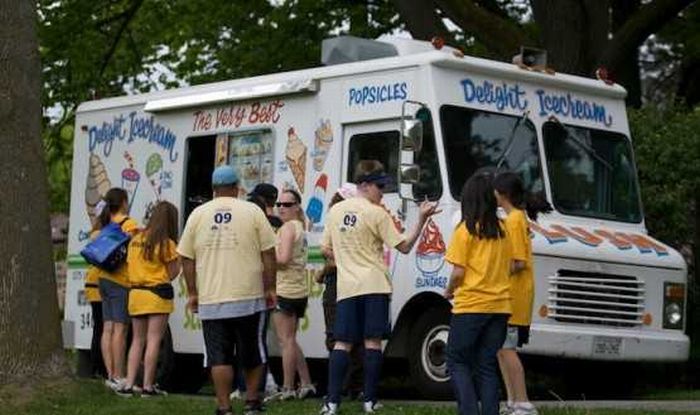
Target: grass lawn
pixel 81 397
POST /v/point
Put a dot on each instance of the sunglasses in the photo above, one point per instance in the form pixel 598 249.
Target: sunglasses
pixel 285 204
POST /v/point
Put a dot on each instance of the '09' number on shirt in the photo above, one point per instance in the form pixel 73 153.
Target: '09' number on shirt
pixel 350 219
pixel 222 217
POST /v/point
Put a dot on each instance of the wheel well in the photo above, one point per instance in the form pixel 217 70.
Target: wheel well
pixel 417 305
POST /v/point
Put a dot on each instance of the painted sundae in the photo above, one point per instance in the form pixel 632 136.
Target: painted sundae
pixel 431 250
pixel 130 179
pixel 296 158
pixel 322 144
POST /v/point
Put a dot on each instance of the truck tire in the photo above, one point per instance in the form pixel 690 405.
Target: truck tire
pixel 428 355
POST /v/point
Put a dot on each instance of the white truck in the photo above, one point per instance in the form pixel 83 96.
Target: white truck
pixel 605 290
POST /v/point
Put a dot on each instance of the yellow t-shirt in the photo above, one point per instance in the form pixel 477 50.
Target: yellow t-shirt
pixel 291 278
pixel 92 278
pixel 485 287
pixel 522 285
pixel 145 273
pixel 357 230
pixel 120 276
pixel 225 237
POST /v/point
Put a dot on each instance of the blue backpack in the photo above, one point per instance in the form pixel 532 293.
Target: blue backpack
pixel 108 250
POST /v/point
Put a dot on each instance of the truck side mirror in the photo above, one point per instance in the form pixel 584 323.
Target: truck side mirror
pixel 410 174
pixel 412 135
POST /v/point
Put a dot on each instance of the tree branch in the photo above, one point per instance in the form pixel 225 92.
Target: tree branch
pixel 422 20
pixel 128 17
pixel 501 36
pixel 649 19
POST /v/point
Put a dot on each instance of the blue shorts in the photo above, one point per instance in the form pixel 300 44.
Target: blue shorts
pixel 362 317
pixel 115 301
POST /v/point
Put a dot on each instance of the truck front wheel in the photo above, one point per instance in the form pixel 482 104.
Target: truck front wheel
pixel 428 355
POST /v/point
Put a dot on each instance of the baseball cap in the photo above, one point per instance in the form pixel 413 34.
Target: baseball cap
pixel 224 176
pixel 265 190
pixel 376 177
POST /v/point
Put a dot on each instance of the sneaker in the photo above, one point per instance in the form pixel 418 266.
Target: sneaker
pixel 114 383
pixel 305 391
pixel 154 391
pixel 281 395
pixel 523 408
pixel 125 392
pixel 236 395
pixel 253 407
pixel 220 411
pixel 329 408
pixel 506 408
pixel 370 407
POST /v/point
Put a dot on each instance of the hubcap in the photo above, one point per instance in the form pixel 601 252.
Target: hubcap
pixel 434 353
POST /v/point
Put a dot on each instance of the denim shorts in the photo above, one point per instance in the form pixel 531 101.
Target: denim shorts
pixel 516 337
pixel 362 317
pixel 115 301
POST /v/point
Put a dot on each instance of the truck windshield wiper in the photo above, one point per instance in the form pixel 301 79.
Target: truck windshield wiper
pixel 590 150
pixel 511 139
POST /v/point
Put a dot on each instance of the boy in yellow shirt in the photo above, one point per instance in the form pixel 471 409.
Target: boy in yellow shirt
pixel 355 233
pixel 511 196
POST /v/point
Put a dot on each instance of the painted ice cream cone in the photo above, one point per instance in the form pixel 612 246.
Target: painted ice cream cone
pixel 322 144
pixel 296 158
pixel 96 186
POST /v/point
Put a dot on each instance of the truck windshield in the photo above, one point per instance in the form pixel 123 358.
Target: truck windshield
pixel 591 172
pixel 475 139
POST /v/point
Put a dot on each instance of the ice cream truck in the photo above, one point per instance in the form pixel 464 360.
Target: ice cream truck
pixel 605 289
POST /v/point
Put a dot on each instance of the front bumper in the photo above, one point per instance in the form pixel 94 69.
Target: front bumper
pixel 600 343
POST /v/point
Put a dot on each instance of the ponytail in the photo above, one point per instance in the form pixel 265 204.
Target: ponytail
pixel 114 199
pixel 509 185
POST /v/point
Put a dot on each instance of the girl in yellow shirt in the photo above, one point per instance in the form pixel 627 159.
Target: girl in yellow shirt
pixel 479 286
pixel 292 295
pixel 152 263
pixel 518 205
pixel 114 291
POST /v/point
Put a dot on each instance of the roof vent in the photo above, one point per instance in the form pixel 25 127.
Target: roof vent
pixel 345 49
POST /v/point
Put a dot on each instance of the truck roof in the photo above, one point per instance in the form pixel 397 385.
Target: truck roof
pixel 441 58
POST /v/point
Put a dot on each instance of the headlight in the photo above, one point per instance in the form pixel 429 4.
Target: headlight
pixel 674 302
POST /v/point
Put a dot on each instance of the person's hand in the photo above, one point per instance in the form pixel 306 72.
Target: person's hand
pixel 319 276
pixel 270 299
pixel 193 303
pixel 449 293
pixel 428 209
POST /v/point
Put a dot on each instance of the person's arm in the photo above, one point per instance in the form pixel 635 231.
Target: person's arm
pixel 427 209
pixel 285 248
pixel 456 279
pixel 173 268
pixel 269 276
pixel 190 273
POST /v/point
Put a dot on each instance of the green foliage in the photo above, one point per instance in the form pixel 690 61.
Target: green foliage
pixel 667 147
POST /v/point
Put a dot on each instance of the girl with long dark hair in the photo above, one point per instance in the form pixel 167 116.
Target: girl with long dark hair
pixel 153 264
pixel 479 286
pixel 518 205
pixel 114 291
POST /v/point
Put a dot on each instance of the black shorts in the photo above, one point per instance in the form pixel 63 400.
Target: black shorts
pixel 230 338
pixel 292 306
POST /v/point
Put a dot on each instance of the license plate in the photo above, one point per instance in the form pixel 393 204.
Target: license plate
pixel 607 346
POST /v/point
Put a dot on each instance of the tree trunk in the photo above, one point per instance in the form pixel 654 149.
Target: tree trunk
pixel 421 20
pixel 627 72
pixel 29 319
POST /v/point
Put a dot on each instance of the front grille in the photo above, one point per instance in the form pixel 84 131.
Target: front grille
pixel 591 298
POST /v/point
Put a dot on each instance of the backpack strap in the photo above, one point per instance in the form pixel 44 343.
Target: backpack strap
pixel 123 221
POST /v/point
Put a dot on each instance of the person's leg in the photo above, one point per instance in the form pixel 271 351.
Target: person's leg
pixel 505 373
pixel 301 366
pixel 138 339
pixel 373 366
pixel 346 331
pixel 355 378
pixel 285 326
pixel 329 318
pixel 157 323
pixel 222 376
pixel 488 344
pixel 249 344
pixel 119 348
pixel 106 347
pixel 376 326
pixel 97 363
pixel 464 331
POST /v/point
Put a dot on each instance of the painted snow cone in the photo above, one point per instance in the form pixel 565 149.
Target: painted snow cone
pixel 314 211
pixel 430 254
pixel 130 179
pixel 154 168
